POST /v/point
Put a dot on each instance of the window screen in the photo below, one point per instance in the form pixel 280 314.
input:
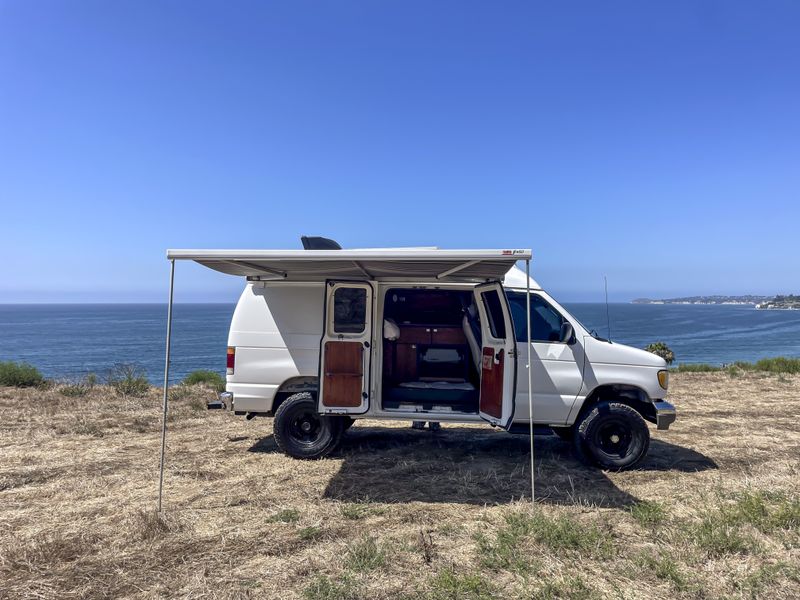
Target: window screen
pixel 494 310
pixel 349 310
pixel 546 321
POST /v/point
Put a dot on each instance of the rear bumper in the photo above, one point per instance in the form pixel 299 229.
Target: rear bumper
pixel 223 402
pixel 665 414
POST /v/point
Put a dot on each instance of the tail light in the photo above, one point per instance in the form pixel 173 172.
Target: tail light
pixel 231 359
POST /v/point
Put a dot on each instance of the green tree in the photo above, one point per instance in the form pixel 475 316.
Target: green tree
pixel 662 350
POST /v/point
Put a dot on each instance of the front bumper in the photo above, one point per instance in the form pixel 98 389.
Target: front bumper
pixel 665 414
pixel 223 402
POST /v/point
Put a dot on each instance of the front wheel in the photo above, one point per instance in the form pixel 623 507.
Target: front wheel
pixel 300 431
pixel 612 436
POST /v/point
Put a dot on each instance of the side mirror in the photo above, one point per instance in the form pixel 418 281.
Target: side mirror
pixel 567 333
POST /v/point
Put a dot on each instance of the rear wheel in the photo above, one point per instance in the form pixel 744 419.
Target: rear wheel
pixel 612 436
pixel 300 431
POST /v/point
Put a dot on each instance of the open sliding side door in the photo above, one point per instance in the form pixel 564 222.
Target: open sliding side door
pixel 345 349
pixel 498 355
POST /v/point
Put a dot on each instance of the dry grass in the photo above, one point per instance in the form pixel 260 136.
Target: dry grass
pixel 713 512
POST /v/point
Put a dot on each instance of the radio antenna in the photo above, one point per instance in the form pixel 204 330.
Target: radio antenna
pixel 608 316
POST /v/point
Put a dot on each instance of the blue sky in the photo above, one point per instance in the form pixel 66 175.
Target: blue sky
pixel 655 142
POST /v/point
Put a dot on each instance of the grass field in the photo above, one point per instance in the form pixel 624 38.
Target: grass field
pixel 713 512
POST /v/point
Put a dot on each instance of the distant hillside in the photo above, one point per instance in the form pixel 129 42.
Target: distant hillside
pixel 747 299
pixel 779 302
pixel 790 302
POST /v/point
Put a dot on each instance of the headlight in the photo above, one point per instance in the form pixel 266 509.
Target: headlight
pixel 663 379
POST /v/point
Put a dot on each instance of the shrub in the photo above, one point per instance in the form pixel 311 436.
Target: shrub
pixel 206 377
pixel 781 364
pixel 128 380
pixel 354 511
pixel 765 511
pixel 717 537
pixel 79 388
pixel 449 584
pixel 662 350
pixel 287 515
pixel 310 533
pixel 697 368
pixel 178 392
pixel 571 588
pixel 325 588
pixel 15 374
pixel 647 513
pixel 559 534
pixel 365 555
pixel 754 583
pixel 664 567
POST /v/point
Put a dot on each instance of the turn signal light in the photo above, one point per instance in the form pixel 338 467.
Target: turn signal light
pixel 663 379
pixel 231 359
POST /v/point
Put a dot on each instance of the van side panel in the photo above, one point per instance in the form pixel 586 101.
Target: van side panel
pixel 276 329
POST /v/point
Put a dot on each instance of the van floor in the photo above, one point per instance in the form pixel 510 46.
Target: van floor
pixel 433 396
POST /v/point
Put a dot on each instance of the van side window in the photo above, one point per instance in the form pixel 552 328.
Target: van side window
pixel 349 310
pixel 546 321
pixel 494 311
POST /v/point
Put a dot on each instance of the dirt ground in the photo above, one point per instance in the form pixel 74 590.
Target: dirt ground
pixel 713 512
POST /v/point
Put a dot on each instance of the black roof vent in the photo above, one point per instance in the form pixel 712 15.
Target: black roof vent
pixel 313 242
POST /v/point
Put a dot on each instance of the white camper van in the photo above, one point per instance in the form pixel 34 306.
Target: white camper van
pixel 323 336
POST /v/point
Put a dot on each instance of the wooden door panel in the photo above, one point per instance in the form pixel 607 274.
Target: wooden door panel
pixel 344 374
pixel 491 401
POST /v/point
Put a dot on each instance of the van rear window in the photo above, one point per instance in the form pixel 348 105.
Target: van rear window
pixel 349 310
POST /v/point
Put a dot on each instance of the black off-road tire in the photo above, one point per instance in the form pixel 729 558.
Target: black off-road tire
pixel 565 433
pixel 301 432
pixel 612 436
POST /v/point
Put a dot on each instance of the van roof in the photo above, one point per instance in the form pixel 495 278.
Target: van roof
pixel 515 280
pixel 389 263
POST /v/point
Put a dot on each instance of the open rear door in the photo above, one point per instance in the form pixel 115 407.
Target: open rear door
pixel 345 350
pixel 498 355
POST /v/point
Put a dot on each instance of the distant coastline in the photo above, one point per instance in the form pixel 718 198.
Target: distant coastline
pixel 778 302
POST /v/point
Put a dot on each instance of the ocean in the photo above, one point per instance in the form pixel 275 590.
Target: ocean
pixel 67 341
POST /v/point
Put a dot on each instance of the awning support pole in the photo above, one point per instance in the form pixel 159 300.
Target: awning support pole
pixel 267 270
pixel 456 269
pixel 530 351
pixel 361 268
pixel 166 385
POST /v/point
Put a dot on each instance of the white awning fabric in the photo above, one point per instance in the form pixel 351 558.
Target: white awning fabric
pixel 318 265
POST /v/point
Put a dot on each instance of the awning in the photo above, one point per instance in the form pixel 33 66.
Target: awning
pixel 318 265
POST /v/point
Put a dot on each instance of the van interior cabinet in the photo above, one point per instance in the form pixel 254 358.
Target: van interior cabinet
pixel 405 367
pixel 444 336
